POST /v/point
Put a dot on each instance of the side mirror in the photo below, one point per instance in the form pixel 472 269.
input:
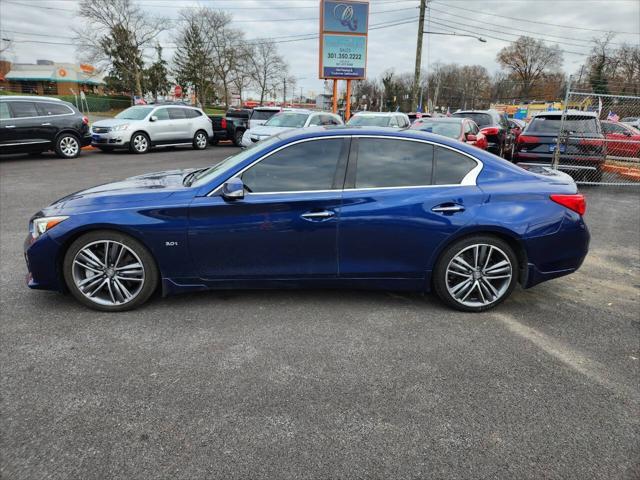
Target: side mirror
pixel 233 189
pixel 153 118
pixel 471 137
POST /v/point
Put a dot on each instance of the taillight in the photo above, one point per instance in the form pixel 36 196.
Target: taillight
pixel 223 123
pixel 528 139
pixel 576 202
pixel 490 130
pixel 85 120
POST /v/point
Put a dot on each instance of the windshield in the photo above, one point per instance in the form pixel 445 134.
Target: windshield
pixel 369 121
pixel 203 176
pixel 551 125
pixel 291 120
pixel 481 119
pixel 263 114
pixel 134 113
pixel 446 129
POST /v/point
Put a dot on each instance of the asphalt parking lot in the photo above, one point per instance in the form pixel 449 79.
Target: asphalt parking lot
pixel 317 384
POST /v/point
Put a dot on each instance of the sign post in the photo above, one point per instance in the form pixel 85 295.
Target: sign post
pixel 344 26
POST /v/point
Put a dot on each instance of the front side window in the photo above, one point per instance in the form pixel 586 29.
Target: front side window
pixel 24 109
pixel 315 121
pixel 4 111
pixel 451 166
pixel 300 167
pixel 384 162
pixel 162 114
pixel 134 113
pixel 613 128
pixel 46 109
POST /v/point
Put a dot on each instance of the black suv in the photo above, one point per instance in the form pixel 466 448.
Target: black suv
pixel 495 126
pixel 36 124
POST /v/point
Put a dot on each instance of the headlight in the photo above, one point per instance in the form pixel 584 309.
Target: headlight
pixel 43 224
pixel 117 128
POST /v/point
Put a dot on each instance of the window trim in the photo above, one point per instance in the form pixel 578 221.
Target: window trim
pixel 35 101
pixel 470 179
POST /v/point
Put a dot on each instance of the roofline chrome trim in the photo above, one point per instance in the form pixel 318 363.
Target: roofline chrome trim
pixel 470 178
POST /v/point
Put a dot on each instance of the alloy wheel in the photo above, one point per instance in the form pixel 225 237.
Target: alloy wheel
pixel 69 146
pixel 479 275
pixel 140 143
pixel 108 273
pixel 201 140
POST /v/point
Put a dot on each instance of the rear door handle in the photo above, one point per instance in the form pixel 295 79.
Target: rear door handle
pixel 318 216
pixel 451 208
pixel 10 126
pixel 46 124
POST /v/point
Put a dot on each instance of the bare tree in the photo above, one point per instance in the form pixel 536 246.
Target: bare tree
pixel 528 59
pixel 241 75
pixel 266 68
pixel 114 36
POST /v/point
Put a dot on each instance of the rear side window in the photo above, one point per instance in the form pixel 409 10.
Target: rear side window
pixel 23 109
pixel 572 124
pixel 46 109
pixel 4 111
pixel 301 167
pixel 481 119
pixel 262 114
pixel 385 162
pixel 451 167
pixel 191 113
pixel 177 113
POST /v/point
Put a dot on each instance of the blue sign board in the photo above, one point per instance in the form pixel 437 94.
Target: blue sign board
pixel 345 16
pixel 344 56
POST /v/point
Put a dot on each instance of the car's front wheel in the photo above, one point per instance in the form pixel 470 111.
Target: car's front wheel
pixel 476 273
pixel 139 143
pixel 110 271
pixel 67 146
pixel 200 140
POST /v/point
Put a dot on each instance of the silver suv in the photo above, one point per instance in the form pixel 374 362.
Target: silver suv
pixel 144 126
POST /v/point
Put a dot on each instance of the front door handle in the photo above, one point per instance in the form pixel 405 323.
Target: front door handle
pixel 318 216
pixel 10 126
pixel 450 208
pixel 46 124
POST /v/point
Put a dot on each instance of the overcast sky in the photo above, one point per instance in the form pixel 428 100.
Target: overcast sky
pixel 30 24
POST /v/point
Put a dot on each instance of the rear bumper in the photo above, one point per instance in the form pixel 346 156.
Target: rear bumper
pixel 568 162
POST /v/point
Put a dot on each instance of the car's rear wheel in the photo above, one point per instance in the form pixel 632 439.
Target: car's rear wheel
pixel 200 140
pixel 67 146
pixel 139 143
pixel 237 138
pixel 476 273
pixel 110 271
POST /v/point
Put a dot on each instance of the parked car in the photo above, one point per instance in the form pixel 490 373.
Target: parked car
pixel 30 124
pixel 517 126
pixel 622 139
pixel 231 126
pixel 143 127
pixel 462 129
pixel 286 120
pixel 582 155
pixel 380 119
pixel 495 126
pixel 632 121
pixel 322 207
pixel 416 116
pixel 260 115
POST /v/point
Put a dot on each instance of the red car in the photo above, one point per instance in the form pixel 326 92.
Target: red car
pixel 622 140
pixel 462 129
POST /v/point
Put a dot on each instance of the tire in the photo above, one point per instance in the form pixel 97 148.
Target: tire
pixel 106 149
pixel 106 286
pixel 200 140
pixel 237 137
pixel 481 292
pixel 67 146
pixel 139 143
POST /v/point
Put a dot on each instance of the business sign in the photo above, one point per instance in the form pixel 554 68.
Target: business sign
pixel 343 39
pixel 344 56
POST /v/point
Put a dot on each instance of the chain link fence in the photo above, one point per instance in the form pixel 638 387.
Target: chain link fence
pixel 599 141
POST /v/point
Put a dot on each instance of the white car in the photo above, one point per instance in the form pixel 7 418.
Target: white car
pixel 380 119
pixel 631 121
pixel 287 120
pixel 260 115
pixel 144 126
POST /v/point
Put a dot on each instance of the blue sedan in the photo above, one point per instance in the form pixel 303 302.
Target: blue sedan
pixel 323 208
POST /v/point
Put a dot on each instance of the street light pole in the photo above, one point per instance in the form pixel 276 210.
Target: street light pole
pixel 416 73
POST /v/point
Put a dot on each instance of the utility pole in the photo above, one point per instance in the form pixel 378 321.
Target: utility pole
pixel 416 74
pixel 284 93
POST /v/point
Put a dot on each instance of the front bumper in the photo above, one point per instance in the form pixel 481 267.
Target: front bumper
pixel 43 268
pixel 111 139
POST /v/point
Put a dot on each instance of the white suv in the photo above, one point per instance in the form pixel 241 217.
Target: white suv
pixel 144 126
pixel 380 119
